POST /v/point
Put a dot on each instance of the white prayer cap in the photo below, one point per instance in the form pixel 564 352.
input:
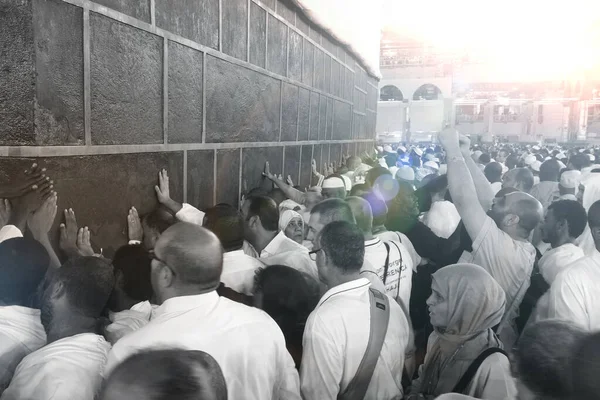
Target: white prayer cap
pixel 592 157
pixel 388 149
pixel 437 160
pixel 379 148
pixel 418 151
pixel 547 158
pixel 405 173
pixel 347 183
pixel 477 154
pixel 432 164
pixel 382 162
pixel 536 148
pixel 333 182
pixel 402 148
pixel 289 205
pixel 570 179
pixel 562 165
pixel 530 159
pixel 561 156
pixel 443 169
pixel 429 157
pixel 536 166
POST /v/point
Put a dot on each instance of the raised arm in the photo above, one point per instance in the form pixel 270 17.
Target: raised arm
pixel 485 193
pixel 290 192
pixel 40 223
pixel 461 185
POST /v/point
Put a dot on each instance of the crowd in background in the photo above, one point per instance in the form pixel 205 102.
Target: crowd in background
pixel 448 270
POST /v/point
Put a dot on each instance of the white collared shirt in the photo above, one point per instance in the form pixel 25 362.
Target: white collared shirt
pixel 21 333
pixel 9 232
pixel 335 341
pixel 68 369
pixel 575 294
pixel 239 271
pixel 398 283
pixel 246 342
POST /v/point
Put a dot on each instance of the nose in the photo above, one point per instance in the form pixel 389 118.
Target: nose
pixel 430 301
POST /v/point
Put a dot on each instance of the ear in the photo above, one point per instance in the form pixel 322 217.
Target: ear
pixel 57 290
pixel 560 225
pixel 254 221
pixel 511 219
pixel 166 276
pixel 596 233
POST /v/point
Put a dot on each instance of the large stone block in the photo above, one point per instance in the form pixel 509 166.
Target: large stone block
pixel 277 46
pixel 270 3
pixel 253 164
pixel 200 178
pixel 258 35
pixel 292 163
pixel 323 118
pixel 101 189
pixel 302 23
pixel 329 127
pixel 319 69
pixel 197 20
pixel 314 116
pixel 317 155
pixel 308 63
pixel 17 73
pixel 335 78
pixel 59 73
pixel 286 9
pixel 241 105
pixel 356 126
pixel 126 81
pixel 303 114
pixel 342 128
pixel 327 73
pixel 139 9
pixel 370 125
pixel 348 88
pixel 295 56
pixel 315 34
pixel 228 182
pixel 325 154
pixel 185 94
pixel 305 165
pixel 289 113
pixel 335 154
pixel 327 43
pixel 371 98
pixel 359 101
pixel 234 23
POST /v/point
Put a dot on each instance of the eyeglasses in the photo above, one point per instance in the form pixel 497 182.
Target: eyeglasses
pixel 313 254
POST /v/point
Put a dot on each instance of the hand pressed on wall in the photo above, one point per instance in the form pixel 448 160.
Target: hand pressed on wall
pixel 41 220
pixel 84 245
pixel 134 225
pixel 32 179
pixel 68 234
pixel 5 212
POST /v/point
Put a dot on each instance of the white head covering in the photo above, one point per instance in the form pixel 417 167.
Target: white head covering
pixel 405 173
pixel 286 217
pixel 379 148
pixel 289 205
pixel 570 179
pixel 347 183
pixel 443 169
pixel 561 164
pixel 418 151
pixel 530 159
pixel 388 149
pixel 393 170
pixel 536 166
pixel 592 157
pixel 561 156
pixel 402 148
pixel 432 165
pixel 333 182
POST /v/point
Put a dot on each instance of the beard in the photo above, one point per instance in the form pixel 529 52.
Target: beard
pixel 497 217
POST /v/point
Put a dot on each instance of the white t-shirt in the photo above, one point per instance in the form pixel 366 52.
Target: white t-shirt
pixel 575 294
pixel 402 238
pixel 68 369
pixel 21 333
pixel 398 282
pixel 335 340
pixel 245 341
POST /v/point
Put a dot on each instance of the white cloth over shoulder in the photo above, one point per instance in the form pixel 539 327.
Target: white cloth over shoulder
pixel 245 341
pixel 21 333
pixel 191 214
pixel 442 218
pixel 127 321
pixel 9 232
pixel 68 369
pixel 239 271
pixel 335 341
pixel 575 294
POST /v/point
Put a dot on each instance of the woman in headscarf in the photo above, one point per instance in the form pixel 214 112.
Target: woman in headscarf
pixel 292 225
pixel 465 304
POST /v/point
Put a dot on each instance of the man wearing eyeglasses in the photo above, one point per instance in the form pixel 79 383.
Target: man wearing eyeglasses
pixel 185 273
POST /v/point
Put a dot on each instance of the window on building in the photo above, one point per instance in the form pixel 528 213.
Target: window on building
pixel 390 93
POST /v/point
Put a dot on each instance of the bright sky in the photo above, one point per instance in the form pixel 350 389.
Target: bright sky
pixel 524 39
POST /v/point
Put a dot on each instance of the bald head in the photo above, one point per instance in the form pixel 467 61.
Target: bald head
pixel 353 162
pixel 193 254
pixel 166 375
pixel 363 214
pixel 528 210
pixel 518 178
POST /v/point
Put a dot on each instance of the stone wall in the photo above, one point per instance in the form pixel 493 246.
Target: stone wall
pixel 104 93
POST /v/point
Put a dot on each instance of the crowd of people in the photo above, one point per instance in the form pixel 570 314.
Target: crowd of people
pixel 447 271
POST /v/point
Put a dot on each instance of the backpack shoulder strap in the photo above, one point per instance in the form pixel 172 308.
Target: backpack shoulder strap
pixel 387 262
pixel 380 316
pixel 472 370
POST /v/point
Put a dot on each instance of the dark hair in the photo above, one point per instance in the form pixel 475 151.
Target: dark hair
pixel 334 210
pixel 375 173
pixel 23 265
pixel 228 224
pixel 525 177
pixel 586 368
pixel 266 209
pixel 277 195
pixel 573 213
pixel 359 187
pixel 543 358
pixel 550 171
pixel 485 158
pixel 378 207
pixel 88 282
pixel 493 172
pixel 511 161
pixel 344 244
pixel 580 161
pixel 434 184
pixel 166 375
pixel 159 219
pixel 403 210
pixel 289 296
pixel 594 215
pixel 134 262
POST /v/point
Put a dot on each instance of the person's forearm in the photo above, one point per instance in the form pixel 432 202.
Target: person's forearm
pixel 54 260
pixel 289 191
pixel 460 183
pixel 485 194
pixel 18 218
pixel 173 206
